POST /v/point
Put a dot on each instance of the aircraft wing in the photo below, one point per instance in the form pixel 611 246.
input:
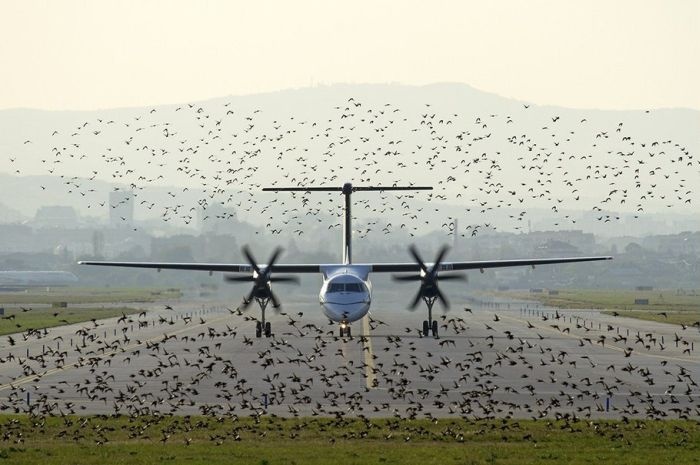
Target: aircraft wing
pixel 225 267
pixel 317 268
pixel 481 265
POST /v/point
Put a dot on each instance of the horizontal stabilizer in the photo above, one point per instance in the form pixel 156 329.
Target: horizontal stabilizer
pixel 354 189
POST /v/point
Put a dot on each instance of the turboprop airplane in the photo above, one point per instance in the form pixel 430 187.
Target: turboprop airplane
pixel 346 291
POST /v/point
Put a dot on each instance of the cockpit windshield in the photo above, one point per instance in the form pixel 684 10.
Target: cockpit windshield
pixel 353 287
pixel 336 287
pixel 345 287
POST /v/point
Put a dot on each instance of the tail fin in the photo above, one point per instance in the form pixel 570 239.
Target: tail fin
pixel 347 191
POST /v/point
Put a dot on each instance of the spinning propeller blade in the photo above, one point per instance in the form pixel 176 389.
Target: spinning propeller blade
pixel 239 279
pixel 410 277
pixel 262 278
pixel 416 300
pixel 429 278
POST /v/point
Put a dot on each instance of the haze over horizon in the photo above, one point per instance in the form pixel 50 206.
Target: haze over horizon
pixel 489 103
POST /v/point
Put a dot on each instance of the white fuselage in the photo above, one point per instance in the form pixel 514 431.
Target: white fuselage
pixel 346 293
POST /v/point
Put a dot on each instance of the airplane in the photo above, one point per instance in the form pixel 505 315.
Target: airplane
pixel 346 290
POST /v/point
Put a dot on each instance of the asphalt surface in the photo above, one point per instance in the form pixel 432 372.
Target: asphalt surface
pixel 501 359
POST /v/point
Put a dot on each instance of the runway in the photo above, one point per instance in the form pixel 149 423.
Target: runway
pixel 501 359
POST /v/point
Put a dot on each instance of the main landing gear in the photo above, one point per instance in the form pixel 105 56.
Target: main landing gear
pixel 262 287
pixel 260 328
pixel 429 291
pixel 430 325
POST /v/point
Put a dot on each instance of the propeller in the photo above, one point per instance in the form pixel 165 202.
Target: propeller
pixel 428 278
pixel 262 278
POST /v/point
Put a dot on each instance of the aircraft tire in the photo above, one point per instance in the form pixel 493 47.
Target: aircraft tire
pixel 258 329
pixel 268 329
pixel 435 328
pixel 426 329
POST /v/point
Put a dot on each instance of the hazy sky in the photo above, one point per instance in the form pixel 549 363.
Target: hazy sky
pixel 590 54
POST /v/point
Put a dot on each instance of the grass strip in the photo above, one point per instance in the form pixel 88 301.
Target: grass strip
pixel 72 295
pixel 666 306
pixel 266 440
pixel 21 319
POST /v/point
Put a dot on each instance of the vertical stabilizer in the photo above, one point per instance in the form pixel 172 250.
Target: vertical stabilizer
pixel 347 191
pixel 347 224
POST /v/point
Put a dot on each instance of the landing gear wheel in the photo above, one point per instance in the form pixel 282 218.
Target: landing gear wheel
pixel 435 329
pixel 341 331
pixel 426 328
pixel 268 329
pixel 258 329
pixel 347 331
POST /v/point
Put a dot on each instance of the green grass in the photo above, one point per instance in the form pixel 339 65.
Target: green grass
pixel 88 295
pixel 16 320
pixel 680 309
pixel 206 440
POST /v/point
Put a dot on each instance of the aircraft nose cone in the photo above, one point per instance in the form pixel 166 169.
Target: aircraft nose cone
pixel 345 312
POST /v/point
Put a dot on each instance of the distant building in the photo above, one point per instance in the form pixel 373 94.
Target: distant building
pixel 16 238
pixel 554 248
pixel 56 216
pixel 546 243
pixel 180 248
pixel 121 209
pixel 98 244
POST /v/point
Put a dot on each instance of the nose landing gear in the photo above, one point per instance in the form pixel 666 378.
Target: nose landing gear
pixel 430 325
pixel 345 330
pixel 262 326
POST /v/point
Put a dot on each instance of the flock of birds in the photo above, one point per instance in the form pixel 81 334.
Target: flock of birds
pixel 492 363
pixel 221 156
